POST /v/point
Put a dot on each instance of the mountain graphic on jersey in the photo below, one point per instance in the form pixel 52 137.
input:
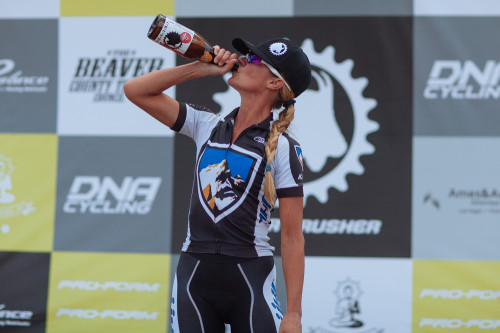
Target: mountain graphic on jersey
pixel 222 178
pixel 218 185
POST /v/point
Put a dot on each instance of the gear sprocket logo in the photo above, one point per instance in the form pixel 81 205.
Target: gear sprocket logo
pixel 333 137
pixel 278 49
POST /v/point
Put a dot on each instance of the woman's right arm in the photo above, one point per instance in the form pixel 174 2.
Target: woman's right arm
pixel 146 91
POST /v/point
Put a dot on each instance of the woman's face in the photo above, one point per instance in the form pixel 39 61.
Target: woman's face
pixel 250 77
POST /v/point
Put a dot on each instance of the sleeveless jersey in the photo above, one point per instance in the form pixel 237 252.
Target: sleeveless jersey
pixel 228 213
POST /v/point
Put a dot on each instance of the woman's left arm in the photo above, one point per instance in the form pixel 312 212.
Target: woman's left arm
pixel 292 254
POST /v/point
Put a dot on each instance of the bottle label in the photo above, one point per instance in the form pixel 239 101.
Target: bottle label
pixel 175 36
pixel 207 55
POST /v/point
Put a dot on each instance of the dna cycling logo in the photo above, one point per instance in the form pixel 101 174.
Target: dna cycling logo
pixel 331 114
pixel 453 79
pixel 93 195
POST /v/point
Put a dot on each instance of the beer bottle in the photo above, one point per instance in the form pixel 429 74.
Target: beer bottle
pixel 181 40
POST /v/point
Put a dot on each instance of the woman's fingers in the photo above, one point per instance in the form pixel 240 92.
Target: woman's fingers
pixel 222 56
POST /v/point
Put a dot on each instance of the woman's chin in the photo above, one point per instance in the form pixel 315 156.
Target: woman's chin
pixel 231 82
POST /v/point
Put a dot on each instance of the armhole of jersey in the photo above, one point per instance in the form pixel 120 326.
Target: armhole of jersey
pixel 181 118
pixel 297 191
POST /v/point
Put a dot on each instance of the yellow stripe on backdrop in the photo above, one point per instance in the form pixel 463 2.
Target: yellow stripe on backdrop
pixel 27 191
pixel 458 295
pixel 116 7
pixel 108 292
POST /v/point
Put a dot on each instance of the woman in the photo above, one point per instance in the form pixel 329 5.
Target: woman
pixel 245 161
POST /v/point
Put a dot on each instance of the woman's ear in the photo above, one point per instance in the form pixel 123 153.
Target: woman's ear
pixel 275 83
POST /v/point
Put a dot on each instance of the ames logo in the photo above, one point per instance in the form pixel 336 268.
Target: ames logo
pixel 93 195
pixel 12 81
pixel 104 77
pixel 340 152
pixel 452 79
pixel 481 201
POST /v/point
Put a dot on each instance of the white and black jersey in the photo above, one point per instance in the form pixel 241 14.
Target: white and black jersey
pixel 228 212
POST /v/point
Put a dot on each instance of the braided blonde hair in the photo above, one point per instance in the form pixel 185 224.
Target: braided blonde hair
pixel 279 126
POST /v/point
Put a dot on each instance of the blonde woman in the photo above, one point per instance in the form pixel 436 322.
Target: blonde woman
pixel 245 161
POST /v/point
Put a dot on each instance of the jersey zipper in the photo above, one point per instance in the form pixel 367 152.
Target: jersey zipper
pixel 217 243
pixel 239 136
pixel 217 240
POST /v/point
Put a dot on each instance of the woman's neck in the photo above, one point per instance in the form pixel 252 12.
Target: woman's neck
pixel 253 110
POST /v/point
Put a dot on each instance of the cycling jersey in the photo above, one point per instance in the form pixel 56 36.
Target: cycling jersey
pixel 228 212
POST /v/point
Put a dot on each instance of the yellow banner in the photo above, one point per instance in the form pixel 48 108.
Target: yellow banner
pixel 104 292
pixel 27 191
pixel 456 296
pixel 117 8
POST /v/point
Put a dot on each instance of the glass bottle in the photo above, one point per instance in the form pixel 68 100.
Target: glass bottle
pixel 180 39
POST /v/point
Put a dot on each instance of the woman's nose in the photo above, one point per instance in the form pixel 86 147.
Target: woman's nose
pixel 242 60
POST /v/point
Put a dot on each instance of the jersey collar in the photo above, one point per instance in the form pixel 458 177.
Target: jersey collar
pixel 265 124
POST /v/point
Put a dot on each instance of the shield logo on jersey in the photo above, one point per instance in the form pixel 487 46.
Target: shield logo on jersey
pixel 298 151
pixel 223 177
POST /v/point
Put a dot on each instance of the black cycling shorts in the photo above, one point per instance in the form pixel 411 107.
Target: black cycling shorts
pixel 211 290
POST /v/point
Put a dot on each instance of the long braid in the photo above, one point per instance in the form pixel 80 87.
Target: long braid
pixel 279 126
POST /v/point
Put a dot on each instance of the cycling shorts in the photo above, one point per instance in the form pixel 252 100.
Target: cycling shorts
pixel 211 290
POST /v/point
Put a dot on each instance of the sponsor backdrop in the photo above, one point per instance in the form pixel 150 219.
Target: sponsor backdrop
pixel 400 131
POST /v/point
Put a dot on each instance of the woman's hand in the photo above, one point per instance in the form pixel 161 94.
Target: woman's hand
pixel 224 60
pixel 291 323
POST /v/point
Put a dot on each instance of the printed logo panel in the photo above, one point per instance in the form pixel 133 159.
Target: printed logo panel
pixel 98 55
pixel 456 200
pixel 29 8
pixel 455 296
pixel 27 313
pixel 28 76
pixel 101 293
pixel 116 8
pixel 456 93
pixel 114 195
pixel 357 295
pixel 224 178
pixel 350 8
pixel 27 191
pixel 354 130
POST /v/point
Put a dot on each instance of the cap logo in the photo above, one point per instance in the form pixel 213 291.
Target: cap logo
pixel 278 49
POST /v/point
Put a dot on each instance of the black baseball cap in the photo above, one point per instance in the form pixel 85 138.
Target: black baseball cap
pixel 283 55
